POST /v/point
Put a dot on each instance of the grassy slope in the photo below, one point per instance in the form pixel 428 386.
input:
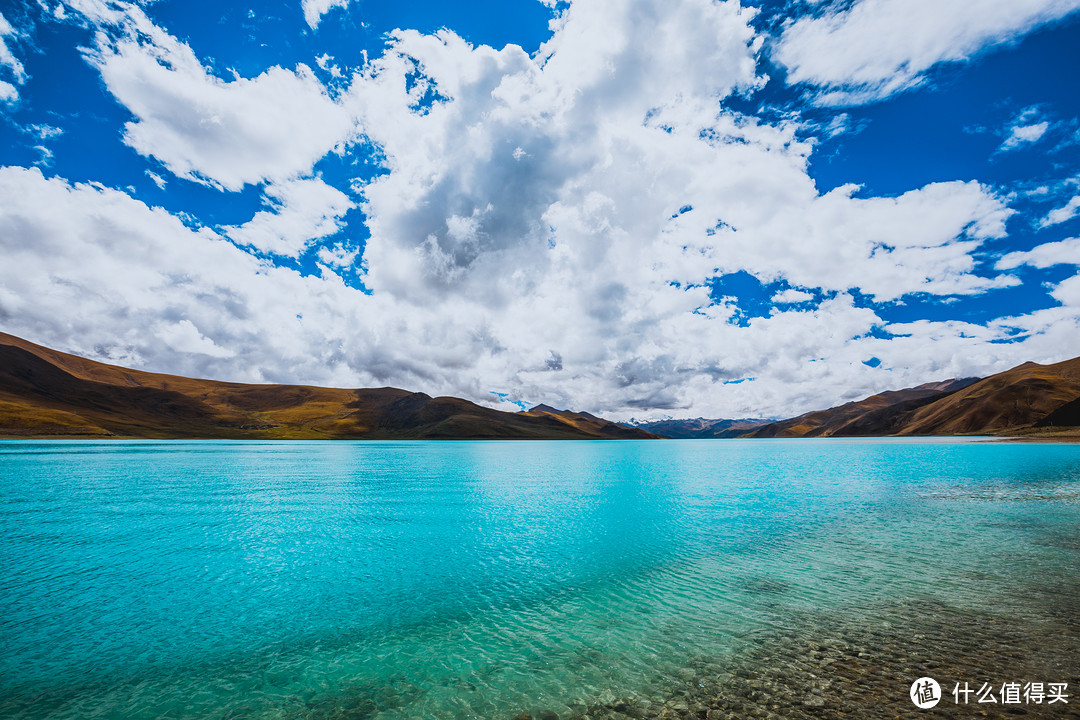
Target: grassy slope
pixel 1014 402
pixel 1016 398
pixel 880 414
pixel 584 422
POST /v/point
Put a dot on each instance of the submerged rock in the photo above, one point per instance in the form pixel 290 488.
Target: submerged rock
pixel 861 670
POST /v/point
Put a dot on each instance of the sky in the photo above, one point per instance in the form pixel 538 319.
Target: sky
pixel 637 208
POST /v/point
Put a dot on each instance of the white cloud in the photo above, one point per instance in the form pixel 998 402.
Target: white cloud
pixel 1065 252
pixel 272 127
pixel 1067 292
pixel 184 337
pixel 920 241
pixel 1024 130
pixel 791 295
pixel 1024 134
pixel 872 48
pixel 45 156
pixel 326 63
pixel 9 91
pixel 301 211
pixel 841 124
pixel 338 256
pixel 44 132
pixel 7 57
pixel 315 9
pixel 1059 215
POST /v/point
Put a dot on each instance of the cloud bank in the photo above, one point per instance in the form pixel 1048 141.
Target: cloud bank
pixel 547 227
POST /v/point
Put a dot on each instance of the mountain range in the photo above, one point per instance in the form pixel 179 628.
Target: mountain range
pixel 1030 399
pixel 45 392
pixel 701 428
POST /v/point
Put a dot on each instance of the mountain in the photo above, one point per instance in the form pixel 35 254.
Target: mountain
pixel 1018 398
pixel 44 392
pixel 588 423
pixel 1018 401
pixel 701 427
pixel 881 414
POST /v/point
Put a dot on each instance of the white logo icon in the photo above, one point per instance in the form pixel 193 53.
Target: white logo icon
pixel 925 693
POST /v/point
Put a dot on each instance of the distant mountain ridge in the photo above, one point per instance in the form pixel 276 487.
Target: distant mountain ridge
pixel 44 392
pixel 700 428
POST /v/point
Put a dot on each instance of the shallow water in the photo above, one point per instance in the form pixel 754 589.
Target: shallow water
pixel 482 580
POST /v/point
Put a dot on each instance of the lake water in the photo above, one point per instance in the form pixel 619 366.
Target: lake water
pixel 394 580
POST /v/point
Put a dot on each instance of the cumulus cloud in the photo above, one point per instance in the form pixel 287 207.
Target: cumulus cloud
pixel 866 50
pixel 919 242
pixel 301 211
pixel 1067 292
pixel 547 228
pixel 338 256
pixel 225 133
pixel 522 174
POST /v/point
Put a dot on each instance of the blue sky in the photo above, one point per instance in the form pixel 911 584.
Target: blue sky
pixel 646 209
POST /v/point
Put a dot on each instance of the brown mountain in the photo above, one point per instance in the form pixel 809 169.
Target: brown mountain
pixel 1020 400
pixel 44 392
pixel 881 414
pixel 587 423
pixel 1015 399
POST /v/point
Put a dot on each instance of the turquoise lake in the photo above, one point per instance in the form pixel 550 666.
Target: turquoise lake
pixel 192 579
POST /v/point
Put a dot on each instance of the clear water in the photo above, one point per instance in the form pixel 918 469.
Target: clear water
pixel 481 579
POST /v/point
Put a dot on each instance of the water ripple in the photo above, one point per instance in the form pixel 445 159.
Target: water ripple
pixel 482 580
